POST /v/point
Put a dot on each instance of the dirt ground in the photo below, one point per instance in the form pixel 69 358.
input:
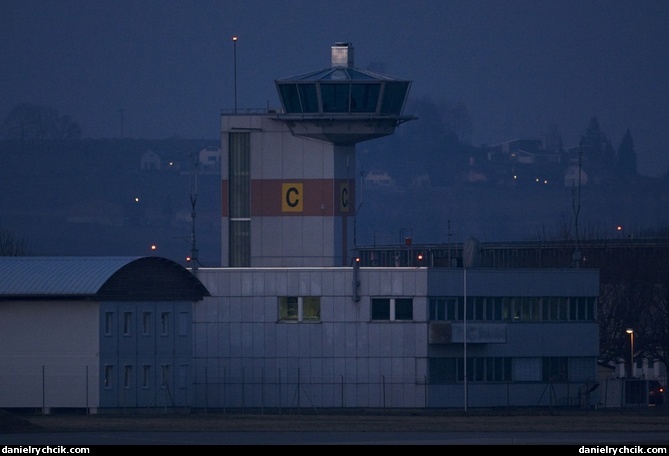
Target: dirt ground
pixel 644 419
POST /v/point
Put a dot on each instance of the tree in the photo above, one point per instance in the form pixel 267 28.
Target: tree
pixel 27 121
pixel 10 245
pixel 626 164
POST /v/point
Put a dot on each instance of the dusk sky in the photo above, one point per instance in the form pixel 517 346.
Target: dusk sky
pixel 156 69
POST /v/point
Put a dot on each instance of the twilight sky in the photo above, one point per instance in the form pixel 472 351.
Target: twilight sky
pixel 164 68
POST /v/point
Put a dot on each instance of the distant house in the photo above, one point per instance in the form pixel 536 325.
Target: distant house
pixel 150 161
pixel 209 159
pixel 154 161
pixel 378 177
pixel 571 177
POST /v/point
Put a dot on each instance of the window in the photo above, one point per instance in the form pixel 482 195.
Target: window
pixel 184 321
pixel 479 370
pixel 404 309
pixel 239 181
pixel 297 308
pixel 380 309
pixel 311 308
pixel 165 323
pixel 392 309
pixel 146 323
pixel 513 308
pixel 109 323
pixel 146 376
pixel 109 376
pixel 127 323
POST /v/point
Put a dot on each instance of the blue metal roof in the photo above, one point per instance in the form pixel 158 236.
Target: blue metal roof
pixel 95 277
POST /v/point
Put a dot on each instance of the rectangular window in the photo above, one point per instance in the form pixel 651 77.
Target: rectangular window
pixel 109 376
pixel 109 323
pixel 451 370
pixel 146 323
pixel 311 308
pixel 239 181
pixel 127 323
pixel 165 323
pixel 479 308
pixel 297 308
pixel 288 308
pixel 392 309
pixel 403 309
pixel 127 377
pixel 380 309
pixel 146 376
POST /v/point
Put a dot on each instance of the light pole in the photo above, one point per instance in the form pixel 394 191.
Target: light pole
pixel 234 44
pixel 630 331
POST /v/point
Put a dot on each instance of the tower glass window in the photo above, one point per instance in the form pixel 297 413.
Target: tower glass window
pixel 240 200
pixel 393 97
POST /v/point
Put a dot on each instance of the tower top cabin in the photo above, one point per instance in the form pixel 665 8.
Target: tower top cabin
pixel 324 104
pixel 288 177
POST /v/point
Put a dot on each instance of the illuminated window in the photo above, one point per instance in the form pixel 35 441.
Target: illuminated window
pixel 297 308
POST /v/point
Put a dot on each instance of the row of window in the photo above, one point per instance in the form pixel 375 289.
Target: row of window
pixel 147 323
pixel 308 308
pixel 298 308
pixel 146 381
pixel 481 308
pixel 490 370
pixel 344 97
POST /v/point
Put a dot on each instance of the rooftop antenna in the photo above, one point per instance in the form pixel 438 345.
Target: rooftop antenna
pixel 193 200
pixel 576 205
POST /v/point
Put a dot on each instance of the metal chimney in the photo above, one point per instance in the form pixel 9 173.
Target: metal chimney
pixel 342 55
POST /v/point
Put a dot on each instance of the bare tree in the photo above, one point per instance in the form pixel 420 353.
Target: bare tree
pixel 27 121
pixel 10 244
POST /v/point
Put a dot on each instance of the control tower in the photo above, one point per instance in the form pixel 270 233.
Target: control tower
pixel 288 176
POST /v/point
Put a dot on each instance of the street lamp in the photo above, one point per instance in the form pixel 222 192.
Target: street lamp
pixel 234 42
pixel 630 331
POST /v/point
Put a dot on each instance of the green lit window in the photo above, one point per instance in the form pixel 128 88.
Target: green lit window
pixel 294 308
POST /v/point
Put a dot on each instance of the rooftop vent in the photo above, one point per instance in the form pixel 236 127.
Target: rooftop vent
pixel 342 55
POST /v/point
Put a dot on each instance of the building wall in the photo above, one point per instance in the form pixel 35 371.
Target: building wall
pixel 246 357
pixel 145 354
pixel 49 354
